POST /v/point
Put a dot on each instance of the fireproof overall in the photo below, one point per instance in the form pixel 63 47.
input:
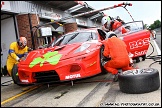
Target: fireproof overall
pixel 117 24
pixel 116 49
pixel 14 54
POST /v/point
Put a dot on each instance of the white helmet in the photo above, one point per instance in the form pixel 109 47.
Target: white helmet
pixel 110 34
pixel 105 19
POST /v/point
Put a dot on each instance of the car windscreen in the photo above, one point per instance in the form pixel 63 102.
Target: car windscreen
pixel 75 37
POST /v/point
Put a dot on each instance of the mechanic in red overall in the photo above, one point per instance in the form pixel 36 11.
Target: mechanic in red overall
pixel 116 49
pixel 108 24
pixel 119 19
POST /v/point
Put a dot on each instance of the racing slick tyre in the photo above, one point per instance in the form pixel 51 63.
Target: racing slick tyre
pixel 139 81
pixel 102 61
pixel 14 75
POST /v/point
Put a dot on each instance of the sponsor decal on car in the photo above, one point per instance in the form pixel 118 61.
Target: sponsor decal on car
pixel 51 57
pixel 24 81
pixel 139 43
pixel 137 53
pixel 72 76
pixel 93 63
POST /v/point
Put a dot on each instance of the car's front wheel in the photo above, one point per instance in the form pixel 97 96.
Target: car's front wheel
pixel 102 61
pixel 15 77
pixel 14 74
pixel 139 81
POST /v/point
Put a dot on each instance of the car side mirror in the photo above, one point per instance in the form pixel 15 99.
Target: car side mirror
pixel 153 33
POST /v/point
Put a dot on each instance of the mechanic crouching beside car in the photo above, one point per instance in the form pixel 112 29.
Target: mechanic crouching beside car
pixel 116 49
pixel 16 52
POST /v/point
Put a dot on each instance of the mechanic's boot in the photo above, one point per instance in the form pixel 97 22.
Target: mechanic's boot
pixel 137 60
pixel 115 78
pixel 120 71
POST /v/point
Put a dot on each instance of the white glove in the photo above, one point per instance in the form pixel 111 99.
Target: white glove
pixel 18 59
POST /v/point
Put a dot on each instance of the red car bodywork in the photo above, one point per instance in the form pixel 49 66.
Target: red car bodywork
pixel 137 38
pixel 67 62
pixel 138 43
pixel 71 65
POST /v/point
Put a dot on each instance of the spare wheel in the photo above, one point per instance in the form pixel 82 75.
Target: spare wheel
pixel 139 81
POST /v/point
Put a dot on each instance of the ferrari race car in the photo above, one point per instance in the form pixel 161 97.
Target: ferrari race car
pixel 72 56
pixel 75 55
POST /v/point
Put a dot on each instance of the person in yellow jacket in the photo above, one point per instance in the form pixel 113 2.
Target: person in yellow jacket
pixel 16 51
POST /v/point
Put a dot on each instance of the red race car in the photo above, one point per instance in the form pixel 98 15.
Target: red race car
pixel 74 56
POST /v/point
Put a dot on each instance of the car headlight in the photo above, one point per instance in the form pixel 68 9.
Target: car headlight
pixel 83 47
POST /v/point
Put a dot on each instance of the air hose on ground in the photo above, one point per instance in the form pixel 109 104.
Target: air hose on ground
pixel 156 58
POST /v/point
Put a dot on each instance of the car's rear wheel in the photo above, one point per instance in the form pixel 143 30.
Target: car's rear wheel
pixel 102 62
pixel 139 81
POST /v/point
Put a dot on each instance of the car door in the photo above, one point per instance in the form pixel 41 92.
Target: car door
pixel 137 38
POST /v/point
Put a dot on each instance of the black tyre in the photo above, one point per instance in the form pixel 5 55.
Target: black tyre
pixel 139 81
pixel 102 62
pixel 14 75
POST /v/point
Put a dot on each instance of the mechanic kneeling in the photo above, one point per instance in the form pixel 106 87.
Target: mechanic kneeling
pixel 115 49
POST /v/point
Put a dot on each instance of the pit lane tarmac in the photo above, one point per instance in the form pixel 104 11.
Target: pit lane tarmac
pixel 84 92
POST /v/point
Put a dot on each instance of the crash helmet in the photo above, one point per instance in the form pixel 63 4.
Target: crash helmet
pixel 106 19
pixel 22 42
pixel 110 34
